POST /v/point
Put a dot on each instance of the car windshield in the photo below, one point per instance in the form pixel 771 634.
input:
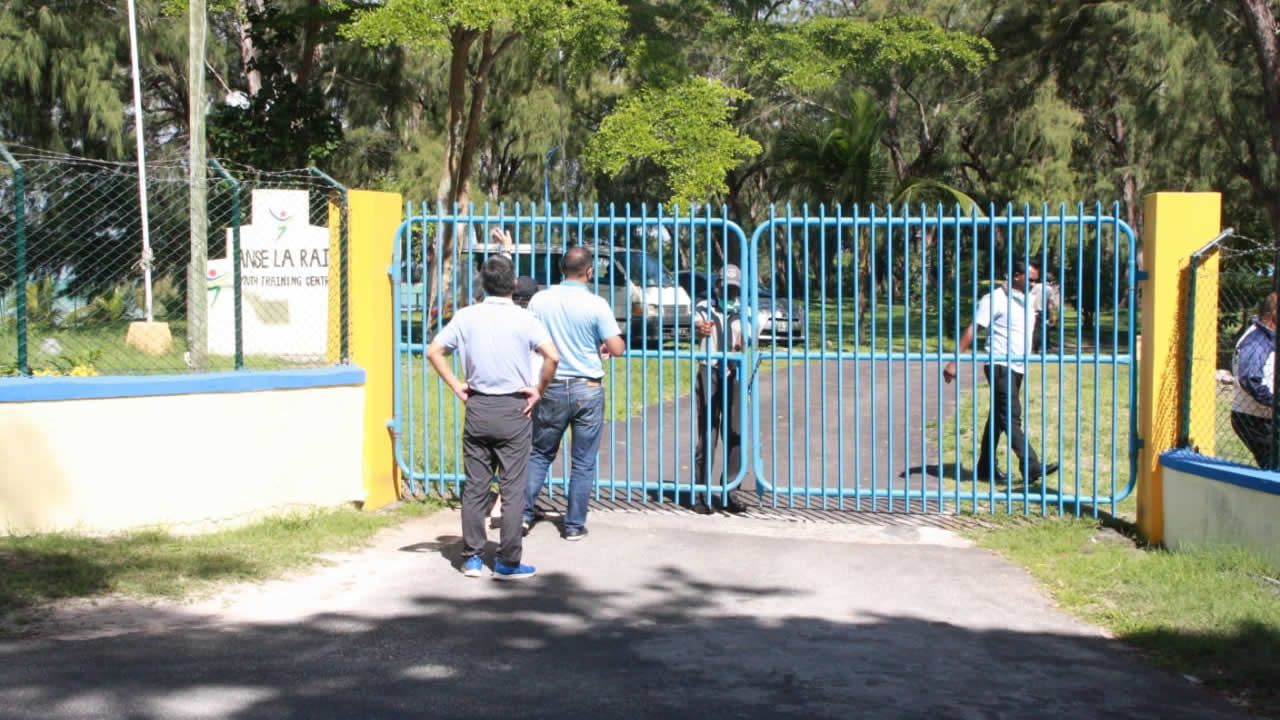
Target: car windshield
pixel 644 269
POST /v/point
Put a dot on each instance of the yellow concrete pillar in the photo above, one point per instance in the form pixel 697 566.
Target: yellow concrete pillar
pixel 372 222
pixel 1176 225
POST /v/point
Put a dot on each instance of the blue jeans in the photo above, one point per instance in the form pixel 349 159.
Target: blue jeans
pixel 564 405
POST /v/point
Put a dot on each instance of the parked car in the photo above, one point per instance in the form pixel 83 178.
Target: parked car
pixel 779 319
pixel 645 298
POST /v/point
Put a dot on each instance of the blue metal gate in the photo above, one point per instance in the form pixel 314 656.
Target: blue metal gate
pixel 841 397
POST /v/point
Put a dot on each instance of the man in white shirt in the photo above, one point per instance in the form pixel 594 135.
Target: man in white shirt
pixel 1008 314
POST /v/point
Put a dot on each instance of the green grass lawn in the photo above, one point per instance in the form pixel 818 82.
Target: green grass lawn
pixel 1070 418
pixel 1227 445
pixel 631 385
pixel 37 569
pixel 1213 614
pixel 103 347
pixel 916 330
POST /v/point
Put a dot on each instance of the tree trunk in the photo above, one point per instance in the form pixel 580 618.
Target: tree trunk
pixel 1262 25
pixel 310 45
pixel 248 51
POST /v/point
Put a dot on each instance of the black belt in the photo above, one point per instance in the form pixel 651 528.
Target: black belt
pixel 568 380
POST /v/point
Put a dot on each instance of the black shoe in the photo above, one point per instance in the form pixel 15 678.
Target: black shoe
pixel 1036 473
pixel 996 477
pixel 702 508
pixel 735 507
pixel 575 534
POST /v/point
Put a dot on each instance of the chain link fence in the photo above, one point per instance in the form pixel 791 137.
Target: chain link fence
pixel 1219 412
pixel 81 295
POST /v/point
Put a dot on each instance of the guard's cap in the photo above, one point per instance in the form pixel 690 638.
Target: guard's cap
pixel 731 276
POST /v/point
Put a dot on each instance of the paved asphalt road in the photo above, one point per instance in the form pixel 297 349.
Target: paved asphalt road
pixel 653 616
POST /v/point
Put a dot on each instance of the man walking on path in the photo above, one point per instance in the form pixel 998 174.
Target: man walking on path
pixel 1254 370
pixel 720 325
pixel 582 326
pixel 1008 316
pixel 495 338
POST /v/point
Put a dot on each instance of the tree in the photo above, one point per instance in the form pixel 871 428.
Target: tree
pixel 475 34
pixel 585 31
pixel 59 76
pixel 684 130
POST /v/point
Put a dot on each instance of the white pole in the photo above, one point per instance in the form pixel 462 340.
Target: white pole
pixel 142 158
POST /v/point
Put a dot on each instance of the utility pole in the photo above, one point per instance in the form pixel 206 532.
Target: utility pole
pixel 197 281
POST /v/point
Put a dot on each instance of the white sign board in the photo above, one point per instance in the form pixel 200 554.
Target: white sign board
pixel 284 280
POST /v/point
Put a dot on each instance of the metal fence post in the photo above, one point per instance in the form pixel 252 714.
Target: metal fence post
pixel 344 281
pixel 237 300
pixel 20 256
pixel 1184 404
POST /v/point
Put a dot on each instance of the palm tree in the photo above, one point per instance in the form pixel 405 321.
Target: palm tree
pixel 841 159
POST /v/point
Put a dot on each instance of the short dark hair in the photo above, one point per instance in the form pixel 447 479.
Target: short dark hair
pixel 1021 268
pixel 498 276
pixel 526 288
pixel 576 261
pixel 1267 305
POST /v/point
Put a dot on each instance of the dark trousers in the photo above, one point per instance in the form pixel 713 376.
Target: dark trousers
pixel 1255 433
pixel 496 439
pixel 721 398
pixel 1005 417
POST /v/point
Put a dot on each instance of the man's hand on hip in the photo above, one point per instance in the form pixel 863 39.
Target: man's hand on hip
pixel 533 397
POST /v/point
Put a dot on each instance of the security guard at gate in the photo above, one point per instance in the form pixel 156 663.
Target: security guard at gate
pixel 720 326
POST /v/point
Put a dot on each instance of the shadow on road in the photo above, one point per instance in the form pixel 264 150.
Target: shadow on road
pixel 552 647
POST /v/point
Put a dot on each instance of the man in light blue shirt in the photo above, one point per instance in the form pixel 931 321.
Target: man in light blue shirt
pixel 582 326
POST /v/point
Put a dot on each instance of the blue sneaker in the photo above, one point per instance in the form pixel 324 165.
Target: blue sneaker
pixel 503 571
pixel 473 567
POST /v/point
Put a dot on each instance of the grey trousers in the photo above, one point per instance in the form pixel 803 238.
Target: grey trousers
pixel 496 439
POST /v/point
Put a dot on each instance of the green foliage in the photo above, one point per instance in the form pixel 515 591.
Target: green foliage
pixel 59 70
pixel 683 129
pixel 840 160
pixel 585 30
pixel 818 54
pixel 288 123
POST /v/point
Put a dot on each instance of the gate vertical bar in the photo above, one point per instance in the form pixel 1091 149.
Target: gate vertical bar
pixel 1062 331
pixel 822 346
pixel 1044 345
pixel 941 346
pixel 906 353
pixel 889 353
pixel 1080 300
pixel 1097 346
pixel 875 413
pixel 808 361
pixel 840 354
pixel 1115 342
pixel 1025 396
